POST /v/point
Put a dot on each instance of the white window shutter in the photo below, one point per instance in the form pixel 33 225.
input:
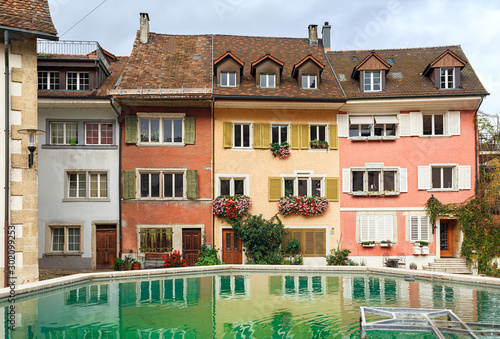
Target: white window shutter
pixel 424 177
pixel 414 228
pixel 453 119
pixel 363 227
pixel 464 177
pixel 404 125
pixel 424 228
pixel 346 180
pixel 389 228
pixel 342 125
pixel 403 180
pixel 372 227
pixel 416 123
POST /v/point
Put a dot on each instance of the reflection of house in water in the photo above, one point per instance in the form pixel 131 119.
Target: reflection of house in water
pixel 232 287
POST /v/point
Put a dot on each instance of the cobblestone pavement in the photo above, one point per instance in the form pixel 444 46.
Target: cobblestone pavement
pixel 50 273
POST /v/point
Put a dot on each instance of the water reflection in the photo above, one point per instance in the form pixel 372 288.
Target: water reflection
pixel 236 306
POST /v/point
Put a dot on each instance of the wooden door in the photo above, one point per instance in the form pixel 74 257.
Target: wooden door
pixel 231 248
pixel 191 245
pixel 446 238
pixel 105 247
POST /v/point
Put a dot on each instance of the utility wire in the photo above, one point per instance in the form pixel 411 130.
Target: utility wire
pixel 83 18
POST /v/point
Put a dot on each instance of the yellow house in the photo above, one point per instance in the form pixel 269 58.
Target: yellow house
pixel 277 91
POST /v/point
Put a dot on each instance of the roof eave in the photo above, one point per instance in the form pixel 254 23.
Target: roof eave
pixel 36 34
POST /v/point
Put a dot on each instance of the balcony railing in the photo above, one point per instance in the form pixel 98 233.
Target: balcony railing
pixel 72 49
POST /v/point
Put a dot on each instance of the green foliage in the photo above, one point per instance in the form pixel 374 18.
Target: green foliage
pixel 273 258
pixel 261 237
pixel 298 260
pixel 208 256
pixel 339 257
pixel 123 264
pixel 293 246
pixel 118 264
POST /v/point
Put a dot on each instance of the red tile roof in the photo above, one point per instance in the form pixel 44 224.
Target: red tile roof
pixel 405 78
pixel 32 15
pixel 290 51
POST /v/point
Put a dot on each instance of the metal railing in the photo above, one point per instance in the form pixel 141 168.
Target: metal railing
pixel 72 49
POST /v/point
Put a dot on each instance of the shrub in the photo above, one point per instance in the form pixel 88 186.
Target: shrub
pixel 339 257
pixel 293 246
pixel 173 259
pixel 208 256
pixel 231 207
pixel 261 237
pixel 303 205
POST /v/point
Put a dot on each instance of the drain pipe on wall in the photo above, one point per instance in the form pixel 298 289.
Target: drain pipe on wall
pixel 7 162
pixel 119 142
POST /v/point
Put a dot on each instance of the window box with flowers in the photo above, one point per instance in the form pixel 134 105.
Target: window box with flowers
pixel 319 144
pixel 368 244
pixel 385 243
pixel 281 151
pixel 231 207
pixel 303 205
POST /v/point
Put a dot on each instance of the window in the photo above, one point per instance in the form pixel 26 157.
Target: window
pixel 98 134
pixel 48 80
pixel 241 135
pixel 372 126
pixel 304 186
pixel 279 133
pixel 317 132
pixel 372 81
pixel 419 228
pixel 64 133
pixel 376 227
pixel 228 79
pixel 268 80
pixel 232 185
pixel 442 177
pixel 77 81
pixel 155 239
pixel 447 78
pixel 309 81
pixel 312 240
pixel 65 239
pixel 433 124
pixel 374 180
pixel 77 187
pixel 162 131
pixel 162 184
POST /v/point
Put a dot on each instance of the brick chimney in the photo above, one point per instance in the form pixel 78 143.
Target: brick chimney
pixel 313 34
pixel 144 30
pixel 325 33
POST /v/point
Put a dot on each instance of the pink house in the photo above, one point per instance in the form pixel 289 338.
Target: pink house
pixel 406 133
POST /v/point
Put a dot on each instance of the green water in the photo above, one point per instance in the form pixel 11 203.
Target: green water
pixel 238 305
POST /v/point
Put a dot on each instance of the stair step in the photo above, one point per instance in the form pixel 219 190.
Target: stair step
pixel 449 260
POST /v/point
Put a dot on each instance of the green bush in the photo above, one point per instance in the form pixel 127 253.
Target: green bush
pixel 293 246
pixel 208 256
pixel 261 237
pixel 339 257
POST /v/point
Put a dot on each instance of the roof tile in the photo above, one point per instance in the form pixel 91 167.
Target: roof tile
pixel 32 15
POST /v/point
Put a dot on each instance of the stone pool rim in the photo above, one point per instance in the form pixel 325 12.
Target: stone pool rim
pixel 74 279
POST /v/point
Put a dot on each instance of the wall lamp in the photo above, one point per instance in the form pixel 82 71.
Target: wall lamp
pixel 32 133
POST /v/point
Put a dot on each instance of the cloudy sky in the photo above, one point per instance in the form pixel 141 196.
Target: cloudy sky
pixel 356 24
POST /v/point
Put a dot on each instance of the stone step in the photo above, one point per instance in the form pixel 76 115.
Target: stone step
pixel 449 260
pixel 448 270
pixel 448 264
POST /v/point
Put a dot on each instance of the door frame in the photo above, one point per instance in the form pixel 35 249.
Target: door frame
pixel 221 242
pixel 94 239
pixel 451 226
pixel 191 229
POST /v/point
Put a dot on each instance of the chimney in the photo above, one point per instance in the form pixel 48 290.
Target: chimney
pixel 313 34
pixel 325 33
pixel 144 30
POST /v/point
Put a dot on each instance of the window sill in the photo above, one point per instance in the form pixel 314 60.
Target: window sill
pixel 242 149
pixel 101 147
pixel 443 190
pixel 63 254
pixel 162 199
pixel 434 136
pixel 375 138
pixel 321 150
pixel 370 194
pixel 86 200
pixel 154 144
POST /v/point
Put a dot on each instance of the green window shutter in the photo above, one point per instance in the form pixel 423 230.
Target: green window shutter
pixel 128 180
pixel 266 135
pixel 189 130
pixel 332 189
pixel 192 184
pixel 274 189
pixel 304 136
pixel 334 140
pixel 228 134
pixel 257 138
pixel 294 140
pixel 131 129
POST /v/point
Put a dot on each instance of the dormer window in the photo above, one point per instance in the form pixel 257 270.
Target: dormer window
pixel 444 71
pixel 228 79
pixel 372 81
pixel 371 73
pixel 228 69
pixel 447 77
pixel 309 81
pixel 268 80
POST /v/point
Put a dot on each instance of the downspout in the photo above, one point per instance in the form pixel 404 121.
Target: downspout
pixel 212 113
pixel 119 139
pixel 7 162
pixel 476 141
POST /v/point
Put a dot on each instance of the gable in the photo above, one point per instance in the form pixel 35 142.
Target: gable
pixel 373 63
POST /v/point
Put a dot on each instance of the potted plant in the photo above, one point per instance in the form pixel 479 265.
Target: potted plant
pixel 424 248
pixel 293 247
pixel 324 144
pixel 281 151
pixel 136 265
pixel 315 143
pixel 417 250
pixel 118 264
pixel 368 244
pixel 385 243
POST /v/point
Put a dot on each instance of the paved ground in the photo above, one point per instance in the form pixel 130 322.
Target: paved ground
pixel 47 273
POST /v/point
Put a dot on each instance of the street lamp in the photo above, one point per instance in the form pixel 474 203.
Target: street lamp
pixel 32 133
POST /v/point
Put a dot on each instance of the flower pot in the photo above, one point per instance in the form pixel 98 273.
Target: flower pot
pixel 385 244
pixel 136 266
pixel 425 250
pixel 417 250
pixel 72 142
pixel 324 146
pixel 368 245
